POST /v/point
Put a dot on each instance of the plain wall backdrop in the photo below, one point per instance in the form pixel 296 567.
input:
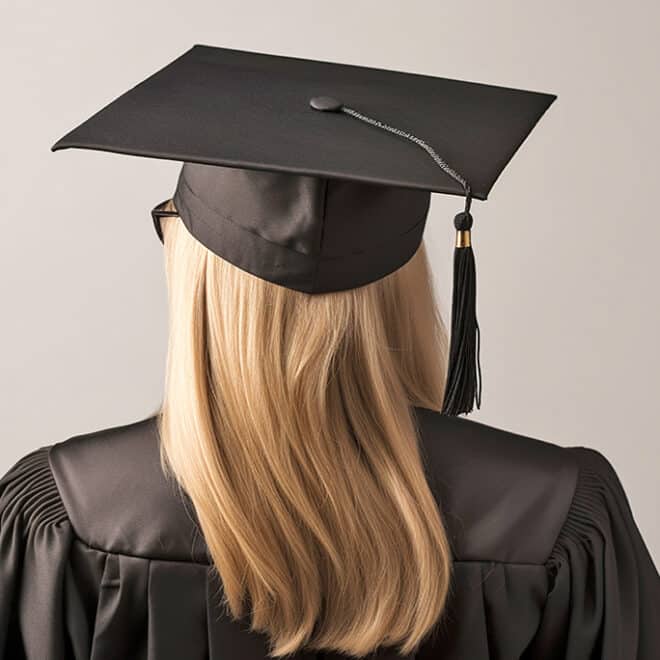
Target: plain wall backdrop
pixel 567 245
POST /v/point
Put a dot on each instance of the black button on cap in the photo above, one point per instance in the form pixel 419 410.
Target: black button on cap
pixel 326 104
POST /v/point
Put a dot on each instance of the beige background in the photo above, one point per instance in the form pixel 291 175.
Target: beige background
pixel 567 245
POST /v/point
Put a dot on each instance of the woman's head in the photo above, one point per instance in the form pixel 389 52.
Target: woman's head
pixel 287 419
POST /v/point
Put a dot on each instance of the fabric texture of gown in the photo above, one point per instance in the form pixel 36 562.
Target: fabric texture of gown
pixel 101 557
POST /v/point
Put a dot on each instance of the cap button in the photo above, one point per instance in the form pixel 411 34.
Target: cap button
pixel 326 104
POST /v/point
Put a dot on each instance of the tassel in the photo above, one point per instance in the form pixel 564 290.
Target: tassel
pixel 463 388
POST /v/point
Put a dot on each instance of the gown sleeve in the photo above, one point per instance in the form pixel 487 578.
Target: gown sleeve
pixel 604 597
pixel 35 537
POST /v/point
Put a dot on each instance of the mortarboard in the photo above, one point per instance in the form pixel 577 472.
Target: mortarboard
pixel 316 175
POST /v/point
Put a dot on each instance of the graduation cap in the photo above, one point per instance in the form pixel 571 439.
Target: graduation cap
pixel 317 176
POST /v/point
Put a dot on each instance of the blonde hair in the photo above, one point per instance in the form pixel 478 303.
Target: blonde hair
pixel 287 420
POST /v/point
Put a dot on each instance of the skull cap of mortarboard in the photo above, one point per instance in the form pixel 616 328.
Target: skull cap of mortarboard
pixel 316 175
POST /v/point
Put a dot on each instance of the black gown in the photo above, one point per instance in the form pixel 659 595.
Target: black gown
pixel 101 557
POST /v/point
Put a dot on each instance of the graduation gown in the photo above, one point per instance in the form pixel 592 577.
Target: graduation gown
pixel 101 557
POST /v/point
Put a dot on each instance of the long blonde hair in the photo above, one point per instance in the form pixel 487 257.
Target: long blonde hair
pixel 287 420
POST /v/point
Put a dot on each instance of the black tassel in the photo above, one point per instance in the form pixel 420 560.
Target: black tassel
pixel 463 388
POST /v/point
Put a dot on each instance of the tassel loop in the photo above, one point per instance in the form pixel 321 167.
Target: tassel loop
pixel 463 224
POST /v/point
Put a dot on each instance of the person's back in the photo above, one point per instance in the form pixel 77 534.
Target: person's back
pixel 546 559
pixel 130 542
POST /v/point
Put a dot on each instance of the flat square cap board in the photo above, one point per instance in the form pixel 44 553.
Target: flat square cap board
pixel 317 176
pixel 251 110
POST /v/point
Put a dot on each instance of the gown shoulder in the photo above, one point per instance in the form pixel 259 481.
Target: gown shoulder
pixel 504 496
pixel 524 502
pixel 118 498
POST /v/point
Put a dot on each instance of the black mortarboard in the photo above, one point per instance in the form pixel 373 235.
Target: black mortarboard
pixel 317 176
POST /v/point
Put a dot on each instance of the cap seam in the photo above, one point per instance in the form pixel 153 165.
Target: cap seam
pixel 323 221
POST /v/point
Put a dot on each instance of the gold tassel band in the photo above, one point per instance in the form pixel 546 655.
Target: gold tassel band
pixel 463 238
